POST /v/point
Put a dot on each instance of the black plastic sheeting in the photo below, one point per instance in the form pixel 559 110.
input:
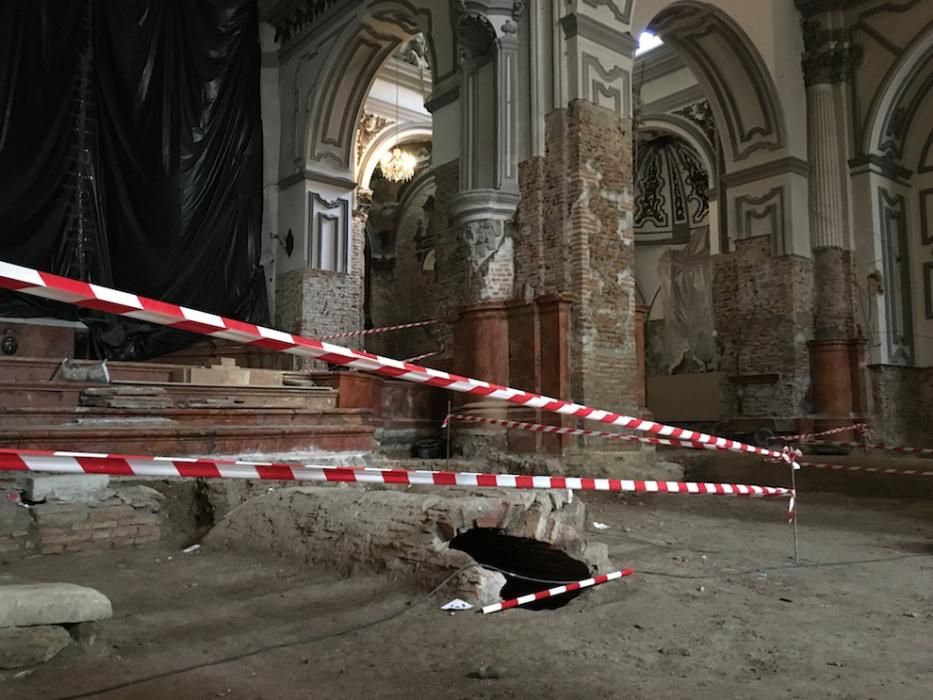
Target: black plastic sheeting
pixel 131 156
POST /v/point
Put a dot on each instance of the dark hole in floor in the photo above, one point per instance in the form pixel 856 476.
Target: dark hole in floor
pixel 526 557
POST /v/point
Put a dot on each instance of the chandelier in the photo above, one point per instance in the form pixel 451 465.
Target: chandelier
pixel 398 165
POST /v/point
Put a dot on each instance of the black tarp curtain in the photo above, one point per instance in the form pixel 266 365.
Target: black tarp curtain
pixel 130 156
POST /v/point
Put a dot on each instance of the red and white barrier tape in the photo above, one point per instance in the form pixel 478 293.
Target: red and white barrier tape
pixel 856 427
pixel 868 470
pixel 558 590
pixel 902 449
pixel 672 442
pixel 423 356
pixel 49 286
pixel 81 463
pixel 375 331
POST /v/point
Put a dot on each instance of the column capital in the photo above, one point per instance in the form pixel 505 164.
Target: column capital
pixel 829 65
pixel 828 56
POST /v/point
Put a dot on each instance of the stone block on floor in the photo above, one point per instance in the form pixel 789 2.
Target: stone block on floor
pixel 29 646
pixel 23 605
pixel 77 488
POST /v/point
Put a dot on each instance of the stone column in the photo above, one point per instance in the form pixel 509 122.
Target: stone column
pixel 476 260
pixel 826 67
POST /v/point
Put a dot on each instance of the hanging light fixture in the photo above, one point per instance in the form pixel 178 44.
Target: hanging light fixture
pixel 397 165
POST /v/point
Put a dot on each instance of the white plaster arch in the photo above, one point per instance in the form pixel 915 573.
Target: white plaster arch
pixel 354 58
pixel 769 36
pixel 913 72
pixel 387 139
pixel 733 75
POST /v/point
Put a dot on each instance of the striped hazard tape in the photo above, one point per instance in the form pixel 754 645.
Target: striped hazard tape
pixel 806 437
pixel 721 444
pixel 382 329
pixel 868 470
pixel 558 590
pixel 126 465
pixel 902 449
pixel 48 286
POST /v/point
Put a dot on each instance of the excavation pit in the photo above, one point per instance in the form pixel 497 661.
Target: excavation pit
pixel 532 565
pixel 422 538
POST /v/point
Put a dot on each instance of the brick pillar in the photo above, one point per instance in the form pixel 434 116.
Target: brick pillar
pixel 589 210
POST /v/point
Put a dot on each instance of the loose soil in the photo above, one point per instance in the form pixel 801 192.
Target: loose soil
pixel 716 610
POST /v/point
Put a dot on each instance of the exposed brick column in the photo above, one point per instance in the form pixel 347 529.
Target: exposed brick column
pixel 589 242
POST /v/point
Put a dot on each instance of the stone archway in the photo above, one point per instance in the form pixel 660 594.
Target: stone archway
pixel 331 72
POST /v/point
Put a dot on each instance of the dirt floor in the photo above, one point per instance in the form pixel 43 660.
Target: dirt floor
pixel 715 610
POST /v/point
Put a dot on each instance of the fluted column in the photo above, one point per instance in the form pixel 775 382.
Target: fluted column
pixel 826 67
pixel 827 217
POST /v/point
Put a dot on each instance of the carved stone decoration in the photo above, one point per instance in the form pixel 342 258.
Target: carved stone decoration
pixel 811 30
pixel 511 24
pixel 483 239
pixel 701 114
pixel 476 37
pixel 370 125
pixel 364 203
pixel 415 52
pixel 828 66
pixel 289 24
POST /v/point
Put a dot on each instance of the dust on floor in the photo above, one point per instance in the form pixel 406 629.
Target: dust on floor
pixel 715 610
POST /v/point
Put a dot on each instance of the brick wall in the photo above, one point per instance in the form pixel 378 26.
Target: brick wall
pixel 834 294
pixel 128 517
pixel 763 309
pixel 316 303
pixel 450 259
pixel 902 400
pixel 576 236
pixel 532 231
pixel 80 528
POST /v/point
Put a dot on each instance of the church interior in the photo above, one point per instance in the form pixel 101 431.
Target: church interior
pixel 286 240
